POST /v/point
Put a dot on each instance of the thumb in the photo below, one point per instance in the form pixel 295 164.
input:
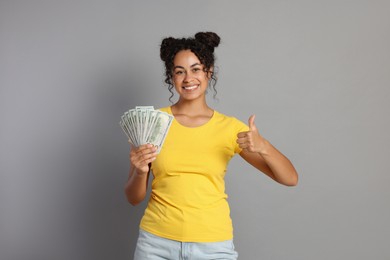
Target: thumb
pixel 251 122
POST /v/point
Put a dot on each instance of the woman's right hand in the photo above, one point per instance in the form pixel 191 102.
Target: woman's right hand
pixel 141 156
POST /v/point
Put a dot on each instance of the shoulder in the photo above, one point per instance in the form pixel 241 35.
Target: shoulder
pixel 165 109
pixel 230 121
pixel 225 117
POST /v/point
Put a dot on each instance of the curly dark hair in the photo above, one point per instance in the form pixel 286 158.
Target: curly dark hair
pixel 202 45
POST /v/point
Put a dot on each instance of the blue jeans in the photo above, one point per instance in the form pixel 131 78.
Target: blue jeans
pixel 153 247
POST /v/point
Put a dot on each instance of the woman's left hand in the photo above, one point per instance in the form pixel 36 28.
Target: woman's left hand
pixel 251 140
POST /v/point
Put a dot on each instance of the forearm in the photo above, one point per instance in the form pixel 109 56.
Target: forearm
pixel 280 167
pixel 136 186
pixel 265 157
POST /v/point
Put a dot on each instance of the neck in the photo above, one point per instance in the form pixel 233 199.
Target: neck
pixel 192 107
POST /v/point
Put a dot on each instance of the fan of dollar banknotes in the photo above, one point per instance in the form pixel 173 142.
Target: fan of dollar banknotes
pixel 145 125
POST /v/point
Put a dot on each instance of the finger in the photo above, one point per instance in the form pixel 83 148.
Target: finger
pixel 245 135
pixel 242 140
pixel 146 148
pixel 145 155
pixel 141 159
pixel 243 145
pixel 151 159
pixel 139 152
pixel 242 134
pixel 251 123
pixel 145 159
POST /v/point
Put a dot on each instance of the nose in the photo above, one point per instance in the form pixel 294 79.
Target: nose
pixel 187 77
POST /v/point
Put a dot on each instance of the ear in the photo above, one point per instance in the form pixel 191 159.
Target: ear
pixel 210 72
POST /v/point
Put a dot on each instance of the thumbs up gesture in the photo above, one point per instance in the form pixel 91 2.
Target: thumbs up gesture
pixel 251 140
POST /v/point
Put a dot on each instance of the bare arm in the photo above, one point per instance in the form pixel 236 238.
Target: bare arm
pixel 137 183
pixel 265 157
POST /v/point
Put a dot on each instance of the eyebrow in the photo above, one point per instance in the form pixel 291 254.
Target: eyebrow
pixel 181 67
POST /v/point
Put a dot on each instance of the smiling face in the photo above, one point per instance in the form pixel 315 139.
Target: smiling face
pixel 189 76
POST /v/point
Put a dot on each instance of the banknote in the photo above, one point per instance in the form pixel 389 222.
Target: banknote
pixel 145 125
pixel 160 129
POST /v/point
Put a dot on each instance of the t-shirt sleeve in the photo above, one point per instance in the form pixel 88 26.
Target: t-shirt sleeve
pixel 239 126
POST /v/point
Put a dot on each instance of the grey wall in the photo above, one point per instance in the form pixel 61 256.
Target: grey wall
pixel 316 74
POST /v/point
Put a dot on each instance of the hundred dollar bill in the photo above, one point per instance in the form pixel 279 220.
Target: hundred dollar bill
pixel 144 125
pixel 160 130
pixel 151 123
pixel 127 128
pixel 145 107
pixel 143 114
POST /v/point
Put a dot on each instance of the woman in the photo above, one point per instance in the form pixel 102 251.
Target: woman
pixel 187 216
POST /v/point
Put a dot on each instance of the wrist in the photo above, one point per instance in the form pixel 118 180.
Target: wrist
pixel 141 173
pixel 264 148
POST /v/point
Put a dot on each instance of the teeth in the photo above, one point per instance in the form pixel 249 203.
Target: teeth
pixel 190 87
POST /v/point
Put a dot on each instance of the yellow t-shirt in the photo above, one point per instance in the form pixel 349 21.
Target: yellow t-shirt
pixel 188 202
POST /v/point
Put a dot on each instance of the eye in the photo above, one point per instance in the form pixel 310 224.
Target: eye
pixel 196 70
pixel 178 72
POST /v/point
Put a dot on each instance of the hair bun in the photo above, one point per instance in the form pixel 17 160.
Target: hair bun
pixel 210 39
pixel 165 49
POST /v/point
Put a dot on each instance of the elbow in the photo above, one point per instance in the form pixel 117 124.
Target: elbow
pixel 134 203
pixel 293 181
pixel 290 180
pixel 133 199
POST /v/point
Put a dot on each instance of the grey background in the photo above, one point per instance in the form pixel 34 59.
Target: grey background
pixel 316 74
